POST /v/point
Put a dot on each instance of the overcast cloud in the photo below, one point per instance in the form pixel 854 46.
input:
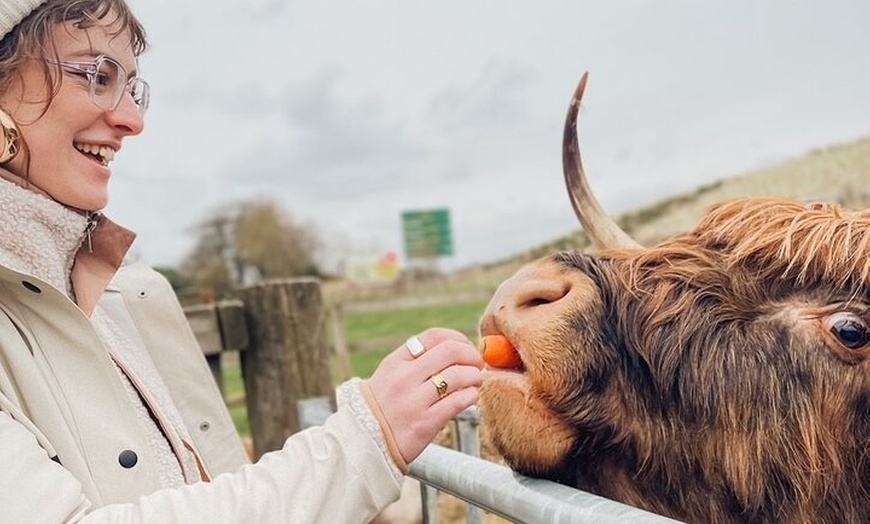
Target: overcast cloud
pixel 348 112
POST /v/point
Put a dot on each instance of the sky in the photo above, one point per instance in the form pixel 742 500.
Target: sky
pixel 349 112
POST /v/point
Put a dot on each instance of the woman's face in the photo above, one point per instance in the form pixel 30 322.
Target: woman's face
pixel 61 142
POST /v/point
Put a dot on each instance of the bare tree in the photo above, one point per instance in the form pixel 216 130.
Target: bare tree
pixel 271 244
pixel 242 243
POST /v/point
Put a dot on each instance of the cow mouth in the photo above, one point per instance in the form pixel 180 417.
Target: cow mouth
pixel 512 375
pixel 516 376
pixel 509 360
pixel 519 422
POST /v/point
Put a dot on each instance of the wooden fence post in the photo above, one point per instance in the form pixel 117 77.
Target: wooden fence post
pixel 218 327
pixel 206 328
pixel 339 340
pixel 288 358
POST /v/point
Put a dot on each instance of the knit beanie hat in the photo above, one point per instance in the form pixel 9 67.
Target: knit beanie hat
pixel 13 11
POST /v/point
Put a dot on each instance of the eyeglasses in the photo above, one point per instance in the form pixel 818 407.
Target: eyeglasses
pixel 107 82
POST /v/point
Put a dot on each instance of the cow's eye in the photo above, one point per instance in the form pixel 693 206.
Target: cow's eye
pixel 850 330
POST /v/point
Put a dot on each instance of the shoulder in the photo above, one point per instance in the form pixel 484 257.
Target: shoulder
pixel 145 291
pixel 140 275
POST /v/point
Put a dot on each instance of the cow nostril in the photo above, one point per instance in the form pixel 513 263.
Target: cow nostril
pixel 535 302
pixel 543 295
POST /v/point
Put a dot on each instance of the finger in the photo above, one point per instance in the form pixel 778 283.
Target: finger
pixel 441 385
pixel 451 379
pixel 420 343
pixel 399 374
pixel 448 353
pixel 447 408
pixel 415 346
pixel 439 334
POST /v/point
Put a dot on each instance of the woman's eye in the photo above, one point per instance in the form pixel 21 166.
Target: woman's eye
pixel 850 330
pixel 78 74
pixel 103 80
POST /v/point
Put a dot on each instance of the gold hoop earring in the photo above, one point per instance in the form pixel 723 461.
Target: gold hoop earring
pixel 10 141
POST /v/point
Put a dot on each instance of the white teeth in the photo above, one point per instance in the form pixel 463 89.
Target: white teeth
pixel 106 153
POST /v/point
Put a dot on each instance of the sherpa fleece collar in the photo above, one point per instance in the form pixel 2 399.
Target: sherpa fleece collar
pixel 39 236
pixel 44 238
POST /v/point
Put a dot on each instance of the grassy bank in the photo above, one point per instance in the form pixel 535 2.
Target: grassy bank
pixel 391 327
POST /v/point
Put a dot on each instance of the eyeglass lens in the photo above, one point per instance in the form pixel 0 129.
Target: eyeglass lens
pixel 110 82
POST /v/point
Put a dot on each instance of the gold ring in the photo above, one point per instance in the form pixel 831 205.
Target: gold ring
pixel 440 384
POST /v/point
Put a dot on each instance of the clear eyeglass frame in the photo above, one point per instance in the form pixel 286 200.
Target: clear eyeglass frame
pixel 107 82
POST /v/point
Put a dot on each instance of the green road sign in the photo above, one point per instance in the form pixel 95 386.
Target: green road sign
pixel 427 233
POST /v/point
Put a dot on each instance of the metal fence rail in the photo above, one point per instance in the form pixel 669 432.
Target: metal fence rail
pixel 499 490
pixel 494 488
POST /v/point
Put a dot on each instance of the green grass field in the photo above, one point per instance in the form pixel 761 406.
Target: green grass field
pixel 398 324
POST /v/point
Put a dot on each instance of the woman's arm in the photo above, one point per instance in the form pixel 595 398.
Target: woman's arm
pixel 330 473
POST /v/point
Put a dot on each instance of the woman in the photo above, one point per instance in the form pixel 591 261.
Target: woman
pixel 107 409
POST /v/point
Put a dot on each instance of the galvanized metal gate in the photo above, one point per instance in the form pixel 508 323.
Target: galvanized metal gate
pixel 490 487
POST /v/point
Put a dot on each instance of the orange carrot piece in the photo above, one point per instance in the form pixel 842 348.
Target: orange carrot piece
pixel 498 352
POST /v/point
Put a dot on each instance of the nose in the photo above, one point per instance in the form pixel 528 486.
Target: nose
pixel 126 117
pixel 538 294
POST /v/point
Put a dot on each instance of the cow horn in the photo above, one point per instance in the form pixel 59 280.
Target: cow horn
pixel 603 231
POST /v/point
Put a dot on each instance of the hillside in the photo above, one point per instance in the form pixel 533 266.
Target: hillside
pixel 838 173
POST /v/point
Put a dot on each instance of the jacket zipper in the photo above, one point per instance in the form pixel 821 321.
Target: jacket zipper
pixel 93 220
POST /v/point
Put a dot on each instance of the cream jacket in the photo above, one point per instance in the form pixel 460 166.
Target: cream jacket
pixel 71 449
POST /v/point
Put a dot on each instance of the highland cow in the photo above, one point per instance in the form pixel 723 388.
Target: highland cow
pixel 721 376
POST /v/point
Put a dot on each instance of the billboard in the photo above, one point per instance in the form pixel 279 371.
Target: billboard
pixel 427 233
pixel 374 270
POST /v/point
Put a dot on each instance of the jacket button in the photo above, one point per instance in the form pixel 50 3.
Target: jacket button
pixel 128 458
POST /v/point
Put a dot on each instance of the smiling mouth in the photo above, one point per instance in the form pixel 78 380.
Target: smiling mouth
pixel 99 154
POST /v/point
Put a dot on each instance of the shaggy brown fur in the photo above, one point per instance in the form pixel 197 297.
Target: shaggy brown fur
pixel 721 376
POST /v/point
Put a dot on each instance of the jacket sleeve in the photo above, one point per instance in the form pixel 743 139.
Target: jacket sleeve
pixel 33 487
pixel 331 473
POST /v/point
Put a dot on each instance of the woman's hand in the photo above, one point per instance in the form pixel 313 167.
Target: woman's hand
pixel 409 396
